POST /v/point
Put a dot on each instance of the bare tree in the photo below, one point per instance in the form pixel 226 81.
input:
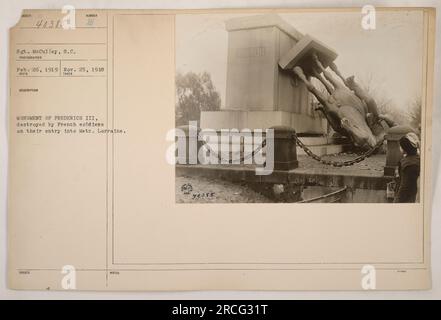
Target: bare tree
pixel 415 113
pixel 384 103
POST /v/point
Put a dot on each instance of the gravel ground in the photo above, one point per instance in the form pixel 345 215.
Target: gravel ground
pixel 203 190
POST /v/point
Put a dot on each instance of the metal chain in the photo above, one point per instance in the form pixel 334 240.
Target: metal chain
pixel 241 159
pixel 346 163
pixel 308 151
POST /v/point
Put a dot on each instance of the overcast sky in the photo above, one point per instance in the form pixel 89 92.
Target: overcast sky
pixel 392 54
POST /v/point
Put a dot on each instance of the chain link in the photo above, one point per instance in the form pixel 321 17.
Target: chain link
pixel 241 159
pixel 308 152
pixel 345 163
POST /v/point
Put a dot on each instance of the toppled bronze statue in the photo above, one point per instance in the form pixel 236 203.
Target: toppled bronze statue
pixel 349 110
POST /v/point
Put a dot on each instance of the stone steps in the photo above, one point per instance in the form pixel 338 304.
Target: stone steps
pixel 323 149
pixel 323 145
pixel 320 145
pixel 316 141
pixel 318 149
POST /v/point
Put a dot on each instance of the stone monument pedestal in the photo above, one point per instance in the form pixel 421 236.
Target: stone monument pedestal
pixel 223 119
pixel 261 93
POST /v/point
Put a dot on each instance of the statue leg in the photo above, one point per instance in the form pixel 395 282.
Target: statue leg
pixel 359 92
pixel 326 73
pixel 319 95
pixel 329 110
pixel 364 96
pixel 334 68
pixel 327 85
pixel 389 121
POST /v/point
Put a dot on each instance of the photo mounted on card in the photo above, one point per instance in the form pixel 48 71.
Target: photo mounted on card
pixel 254 149
pixel 269 113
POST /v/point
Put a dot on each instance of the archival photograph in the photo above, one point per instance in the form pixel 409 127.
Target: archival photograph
pixel 299 107
pixel 253 150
